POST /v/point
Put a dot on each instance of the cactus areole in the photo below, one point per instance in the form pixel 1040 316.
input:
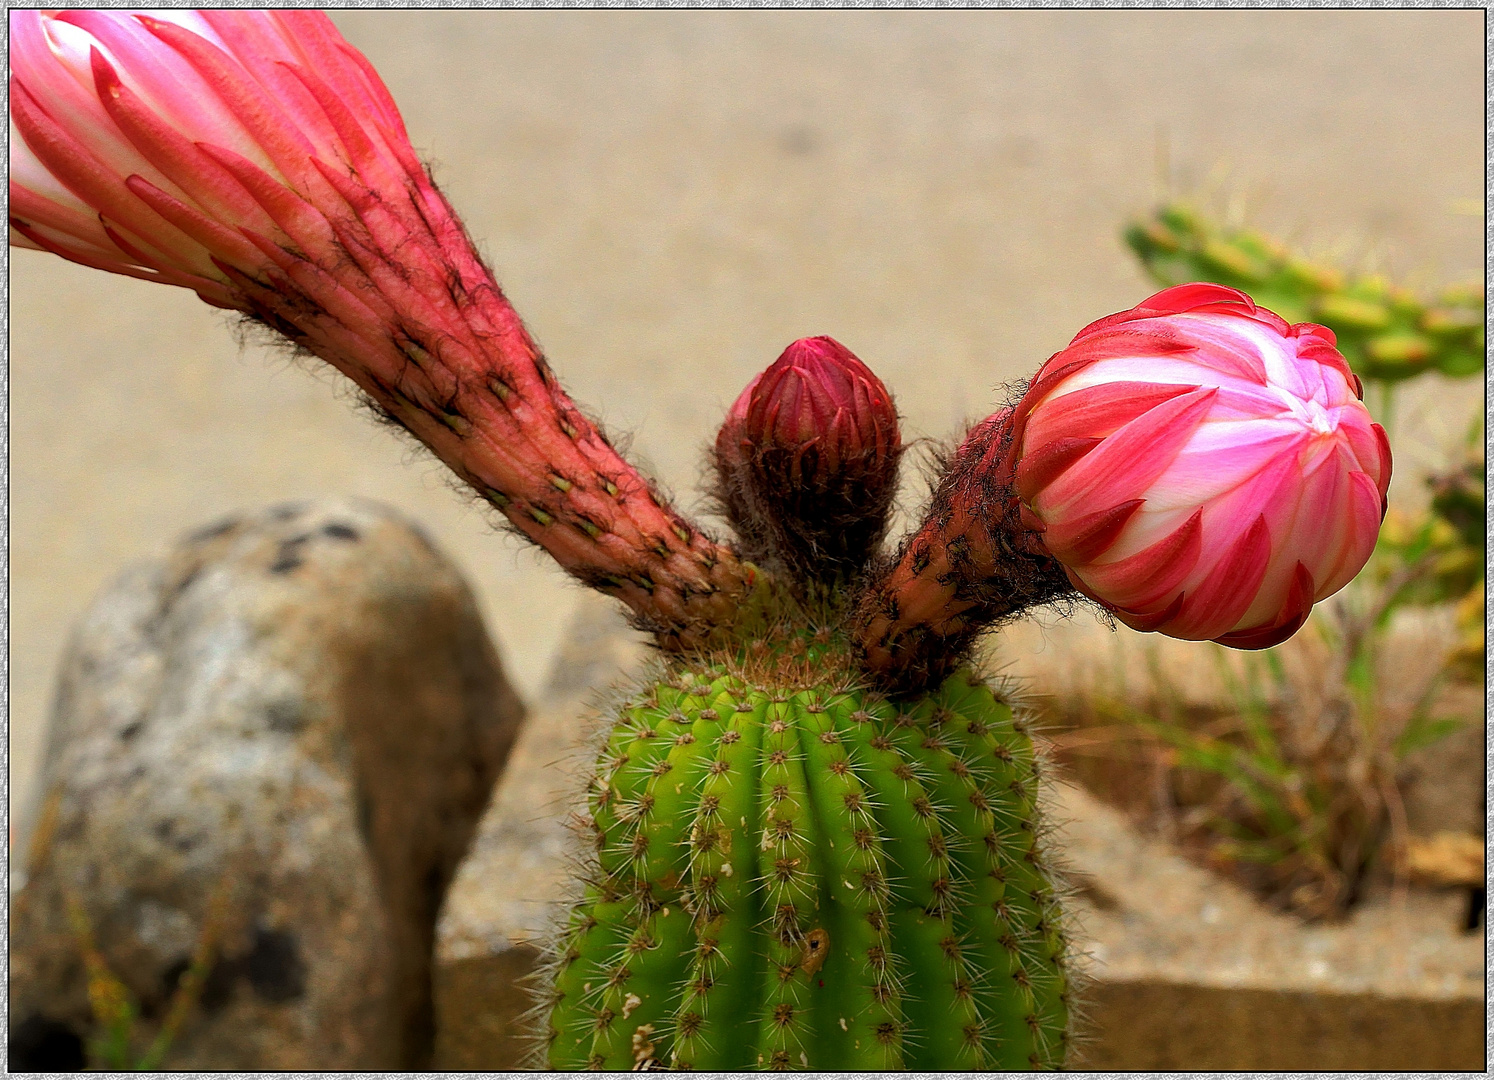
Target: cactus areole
pixel 813 842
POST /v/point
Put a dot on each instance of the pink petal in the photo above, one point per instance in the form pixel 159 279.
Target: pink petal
pixel 1131 460
pixel 1081 540
pixel 1382 474
pixel 87 256
pixel 64 92
pixel 268 125
pixel 295 217
pixel 1079 584
pixel 1141 581
pixel 392 124
pixel 213 237
pixel 30 174
pixel 1228 588
pixel 1361 530
pixel 1096 411
pixel 1355 429
pixel 1147 622
pixel 1294 612
pixel 1171 301
pixel 1320 348
pixel 324 52
pixel 83 226
pixel 1042 466
pixel 1197 294
pixel 1275 493
pixel 268 55
pixel 1231 347
pixel 358 149
pixel 68 159
pixel 193 173
pixel 1220 461
pixel 166 84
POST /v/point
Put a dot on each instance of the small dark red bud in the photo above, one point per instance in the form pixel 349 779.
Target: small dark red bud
pixel 807 461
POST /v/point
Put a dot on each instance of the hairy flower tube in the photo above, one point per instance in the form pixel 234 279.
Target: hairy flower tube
pixel 807 460
pixel 1202 468
pixel 258 159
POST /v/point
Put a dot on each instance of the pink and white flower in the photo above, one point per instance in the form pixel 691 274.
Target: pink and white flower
pixel 1201 467
pixel 150 143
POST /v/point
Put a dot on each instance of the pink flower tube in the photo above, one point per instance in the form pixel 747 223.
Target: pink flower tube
pixel 1202 468
pixel 257 158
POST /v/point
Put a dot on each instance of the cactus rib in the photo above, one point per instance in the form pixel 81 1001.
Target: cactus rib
pixel 813 878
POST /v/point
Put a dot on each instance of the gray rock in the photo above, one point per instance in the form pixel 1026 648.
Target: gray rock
pixel 277 740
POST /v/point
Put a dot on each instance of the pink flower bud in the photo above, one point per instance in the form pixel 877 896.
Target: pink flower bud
pixel 808 459
pixel 822 407
pixel 1202 468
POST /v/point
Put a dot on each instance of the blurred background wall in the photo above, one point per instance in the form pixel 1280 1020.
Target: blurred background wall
pixel 671 197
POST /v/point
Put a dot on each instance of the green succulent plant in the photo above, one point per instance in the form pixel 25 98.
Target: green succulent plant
pixel 1385 332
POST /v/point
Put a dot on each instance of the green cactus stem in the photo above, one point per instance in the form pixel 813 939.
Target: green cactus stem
pixel 1385 332
pixel 789 871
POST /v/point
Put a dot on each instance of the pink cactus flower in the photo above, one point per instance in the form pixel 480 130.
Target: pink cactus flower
pixel 808 459
pixel 258 159
pixel 182 146
pixel 1201 467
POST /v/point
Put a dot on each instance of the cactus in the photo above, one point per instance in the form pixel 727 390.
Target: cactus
pixel 815 839
pixel 1385 332
pixel 790 871
pixel 794 870
pixel 786 868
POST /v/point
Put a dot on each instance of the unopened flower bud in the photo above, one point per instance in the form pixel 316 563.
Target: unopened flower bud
pixel 1202 468
pixel 807 461
pixel 1195 465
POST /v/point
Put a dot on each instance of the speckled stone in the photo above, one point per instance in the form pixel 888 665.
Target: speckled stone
pixel 299 708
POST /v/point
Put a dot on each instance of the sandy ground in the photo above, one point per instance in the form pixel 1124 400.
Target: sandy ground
pixel 671 197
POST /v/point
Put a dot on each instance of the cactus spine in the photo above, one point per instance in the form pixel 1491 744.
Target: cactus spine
pixel 812 876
